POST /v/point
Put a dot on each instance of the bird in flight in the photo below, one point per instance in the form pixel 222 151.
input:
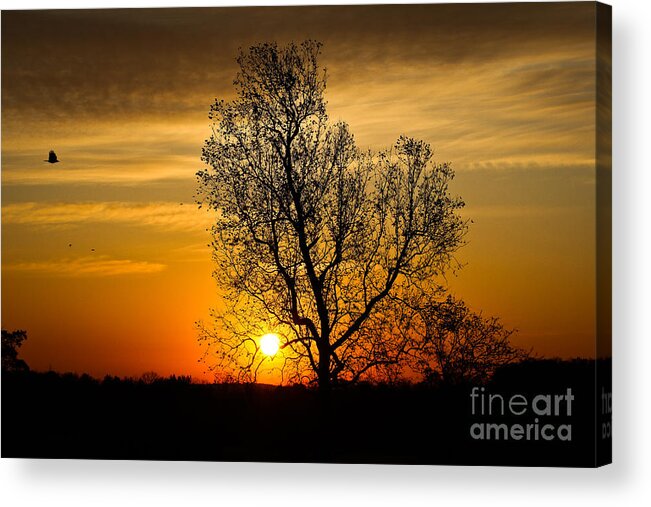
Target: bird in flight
pixel 52 158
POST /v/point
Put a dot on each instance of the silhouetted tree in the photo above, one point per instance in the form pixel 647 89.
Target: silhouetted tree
pixel 150 377
pixel 11 342
pixel 458 345
pixel 315 239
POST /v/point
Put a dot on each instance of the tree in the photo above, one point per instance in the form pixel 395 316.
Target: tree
pixel 11 342
pixel 315 239
pixel 458 345
pixel 150 377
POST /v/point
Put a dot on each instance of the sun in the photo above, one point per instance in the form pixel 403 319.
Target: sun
pixel 269 344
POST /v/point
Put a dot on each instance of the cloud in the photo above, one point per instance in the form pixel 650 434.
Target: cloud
pixel 165 215
pixel 123 96
pixel 536 111
pixel 81 64
pixel 87 267
pixel 518 212
pixel 100 153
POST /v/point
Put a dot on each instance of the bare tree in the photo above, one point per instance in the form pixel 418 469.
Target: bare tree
pixel 456 345
pixel 315 239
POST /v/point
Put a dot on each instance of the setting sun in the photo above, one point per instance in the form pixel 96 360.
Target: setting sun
pixel 269 344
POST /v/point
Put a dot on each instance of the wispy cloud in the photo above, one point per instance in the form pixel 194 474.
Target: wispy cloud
pixel 483 83
pixel 167 61
pixel 129 153
pixel 500 112
pixel 170 216
pixel 88 267
pixel 518 212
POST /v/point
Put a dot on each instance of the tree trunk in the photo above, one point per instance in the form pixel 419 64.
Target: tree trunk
pixel 323 395
pixel 323 372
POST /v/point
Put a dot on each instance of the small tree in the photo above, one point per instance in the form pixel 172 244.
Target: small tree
pixel 315 239
pixel 150 377
pixel 457 345
pixel 11 342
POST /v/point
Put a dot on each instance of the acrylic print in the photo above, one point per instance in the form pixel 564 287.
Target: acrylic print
pixel 351 234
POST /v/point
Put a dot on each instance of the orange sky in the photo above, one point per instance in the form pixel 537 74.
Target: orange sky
pixel 504 92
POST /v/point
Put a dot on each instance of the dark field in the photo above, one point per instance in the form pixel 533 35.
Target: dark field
pixel 48 415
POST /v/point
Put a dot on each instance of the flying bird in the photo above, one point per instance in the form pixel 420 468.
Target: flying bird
pixel 52 158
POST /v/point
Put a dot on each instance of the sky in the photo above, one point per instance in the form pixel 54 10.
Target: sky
pixel 105 257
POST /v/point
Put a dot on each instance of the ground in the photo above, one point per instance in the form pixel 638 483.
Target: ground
pixel 48 415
